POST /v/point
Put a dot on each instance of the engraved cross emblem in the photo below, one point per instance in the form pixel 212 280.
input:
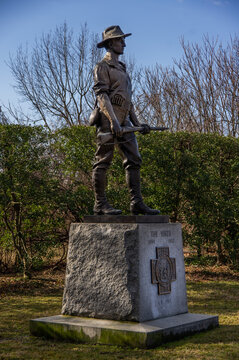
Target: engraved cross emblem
pixel 163 270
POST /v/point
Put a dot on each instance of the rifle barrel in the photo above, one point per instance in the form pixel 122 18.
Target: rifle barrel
pixel 129 129
pixel 160 128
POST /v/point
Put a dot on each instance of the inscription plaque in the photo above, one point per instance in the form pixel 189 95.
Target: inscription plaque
pixel 166 233
pixel 163 270
pixel 154 233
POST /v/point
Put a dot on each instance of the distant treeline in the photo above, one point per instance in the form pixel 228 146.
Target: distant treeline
pixel 45 184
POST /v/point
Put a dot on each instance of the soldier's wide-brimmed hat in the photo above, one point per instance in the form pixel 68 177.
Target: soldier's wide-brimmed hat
pixel 111 32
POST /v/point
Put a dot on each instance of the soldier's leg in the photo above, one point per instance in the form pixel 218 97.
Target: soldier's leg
pixel 103 158
pixel 132 162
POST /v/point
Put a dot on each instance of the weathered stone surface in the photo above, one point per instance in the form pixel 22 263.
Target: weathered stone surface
pixel 109 271
pixel 102 271
pixel 142 335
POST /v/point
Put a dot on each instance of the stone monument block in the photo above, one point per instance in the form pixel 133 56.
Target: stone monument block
pixel 126 271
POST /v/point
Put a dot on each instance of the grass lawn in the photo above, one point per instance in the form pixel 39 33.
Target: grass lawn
pixel 211 290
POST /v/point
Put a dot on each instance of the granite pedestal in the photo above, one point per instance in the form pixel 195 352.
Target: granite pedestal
pixel 125 284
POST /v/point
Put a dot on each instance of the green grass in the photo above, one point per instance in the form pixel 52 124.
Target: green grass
pixel 22 301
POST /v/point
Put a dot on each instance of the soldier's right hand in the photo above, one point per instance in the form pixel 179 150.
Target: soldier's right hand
pixel 116 128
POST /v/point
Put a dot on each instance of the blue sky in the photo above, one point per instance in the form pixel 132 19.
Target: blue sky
pixel 156 25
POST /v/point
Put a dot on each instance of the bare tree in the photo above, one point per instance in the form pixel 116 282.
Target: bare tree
pixel 56 77
pixel 199 93
pixel 3 119
pixel 228 80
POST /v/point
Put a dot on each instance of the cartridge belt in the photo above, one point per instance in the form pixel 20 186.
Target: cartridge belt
pixel 121 107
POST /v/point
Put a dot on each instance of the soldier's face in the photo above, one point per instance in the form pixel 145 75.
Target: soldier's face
pixel 118 45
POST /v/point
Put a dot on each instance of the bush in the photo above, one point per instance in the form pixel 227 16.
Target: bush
pixel 29 220
pixel 45 183
pixel 194 177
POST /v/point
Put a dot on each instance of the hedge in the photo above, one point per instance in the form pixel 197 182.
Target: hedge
pixel 45 181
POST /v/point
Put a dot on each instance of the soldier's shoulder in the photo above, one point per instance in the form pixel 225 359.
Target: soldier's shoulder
pixel 101 64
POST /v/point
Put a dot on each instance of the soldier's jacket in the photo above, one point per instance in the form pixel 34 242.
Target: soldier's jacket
pixel 111 78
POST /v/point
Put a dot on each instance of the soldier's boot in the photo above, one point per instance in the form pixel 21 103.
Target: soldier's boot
pixel 137 205
pixel 101 207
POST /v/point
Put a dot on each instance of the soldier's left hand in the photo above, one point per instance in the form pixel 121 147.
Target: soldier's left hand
pixel 146 129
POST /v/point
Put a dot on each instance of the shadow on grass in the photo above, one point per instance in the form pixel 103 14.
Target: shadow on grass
pixel 216 297
pixel 34 287
pixel 222 335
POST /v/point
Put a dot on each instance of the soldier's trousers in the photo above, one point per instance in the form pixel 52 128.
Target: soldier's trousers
pixel 128 148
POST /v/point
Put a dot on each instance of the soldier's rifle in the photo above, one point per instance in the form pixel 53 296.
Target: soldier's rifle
pixel 105 137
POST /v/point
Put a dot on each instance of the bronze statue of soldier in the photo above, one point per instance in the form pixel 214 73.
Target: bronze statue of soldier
pixel 112 87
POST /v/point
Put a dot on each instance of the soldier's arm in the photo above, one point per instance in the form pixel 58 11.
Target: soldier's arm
pixel 108 111
pixel 101 88
pixel 133 117
pixel 135 121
